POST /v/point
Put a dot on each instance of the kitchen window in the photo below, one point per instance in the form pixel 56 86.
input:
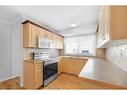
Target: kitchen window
pixel 81 45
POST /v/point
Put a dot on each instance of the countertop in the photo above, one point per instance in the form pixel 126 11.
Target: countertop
pixel 102 70
pixel 33 61
pixel 74 57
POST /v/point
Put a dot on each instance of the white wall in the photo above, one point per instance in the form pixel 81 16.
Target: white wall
pixel 5 51
pixel 11 50
pixel 17 50
pixel 118 56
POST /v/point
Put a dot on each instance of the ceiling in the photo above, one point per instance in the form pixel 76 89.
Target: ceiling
pixel 57 18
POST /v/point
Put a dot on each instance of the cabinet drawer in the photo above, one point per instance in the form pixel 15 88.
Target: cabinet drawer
pixel 38 65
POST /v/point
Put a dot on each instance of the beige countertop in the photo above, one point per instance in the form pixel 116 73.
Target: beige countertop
pixel 34 61
pixel 72 57
pixel 104 71
pixel 75 57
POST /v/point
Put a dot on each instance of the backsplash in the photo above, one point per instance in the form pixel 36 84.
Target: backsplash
pixel 52 52
pixel 118 56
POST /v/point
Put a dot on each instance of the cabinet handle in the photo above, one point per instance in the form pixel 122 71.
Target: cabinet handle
pixel 38 65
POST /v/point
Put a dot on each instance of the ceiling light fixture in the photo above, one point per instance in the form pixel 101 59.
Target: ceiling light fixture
pixel 73 25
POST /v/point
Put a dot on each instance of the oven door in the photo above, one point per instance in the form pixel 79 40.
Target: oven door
pixel 50 70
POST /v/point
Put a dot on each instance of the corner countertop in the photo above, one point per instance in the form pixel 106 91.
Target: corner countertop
pixel 75 57
pixel 102 70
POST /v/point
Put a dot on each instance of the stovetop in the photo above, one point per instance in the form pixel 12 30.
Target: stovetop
pixel 49 60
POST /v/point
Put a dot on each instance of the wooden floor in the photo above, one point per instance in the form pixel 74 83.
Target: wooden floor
pixel 13 83
pixel 65 81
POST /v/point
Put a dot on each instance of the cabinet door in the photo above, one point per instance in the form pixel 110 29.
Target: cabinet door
pixel 44 33
pixel 101 52
pixel 38 75
pixel 54 40
pixel 49 35
pixel 118 22
pixel 73 66
pixel 68 66
pixel 57 42
pixel 34 35
pixel 78 66
pixel 41 32
pixel 29 70
pixel 61 42
pixel 64 65
pixel 26 35
pixel 60 65
pixel 30 34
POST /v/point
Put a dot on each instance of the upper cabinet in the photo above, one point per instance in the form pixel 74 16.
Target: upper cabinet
pixel 58 41
pixel 31 32
pixel 112 28
pixel 41 32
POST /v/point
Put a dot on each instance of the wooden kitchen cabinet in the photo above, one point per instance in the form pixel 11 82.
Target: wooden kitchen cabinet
pixel 44 33
pixel 112 28
pixel 30 34
pixel 32 31
pixel 41 32
pixel 58 41
pixel 33 74
pixel 55 41
pixel 38 75
pixel 101 52
pixel 71 65
pixel 50 35
pixel 60 65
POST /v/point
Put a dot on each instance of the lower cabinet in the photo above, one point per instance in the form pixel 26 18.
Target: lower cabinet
pixel 33 74
pixel 101 52
pixel 60 65
pixel 71 65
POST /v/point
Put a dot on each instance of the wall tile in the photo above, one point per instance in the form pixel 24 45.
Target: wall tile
pixel 118 56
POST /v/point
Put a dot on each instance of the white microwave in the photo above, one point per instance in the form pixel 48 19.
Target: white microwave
pixel 44 43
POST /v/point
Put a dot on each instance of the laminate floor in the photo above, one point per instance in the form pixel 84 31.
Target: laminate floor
pixel 13 83
pixel 66 81
pixel 63 82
